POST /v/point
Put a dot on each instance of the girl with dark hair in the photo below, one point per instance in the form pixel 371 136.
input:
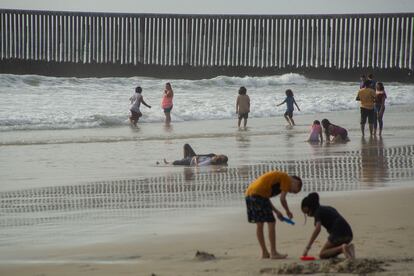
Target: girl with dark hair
pixel 379 107
pixel 290 102
pixel 316 133
pixel 340 233
pixel 339 133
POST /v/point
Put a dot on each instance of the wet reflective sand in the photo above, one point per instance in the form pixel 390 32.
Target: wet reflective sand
pixel 203 187
pixel 107 209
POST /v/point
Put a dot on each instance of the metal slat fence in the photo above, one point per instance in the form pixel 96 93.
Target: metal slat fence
pixel 297 41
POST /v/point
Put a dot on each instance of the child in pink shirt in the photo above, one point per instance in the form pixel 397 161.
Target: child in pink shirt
pixel 167 102
pixel 316 133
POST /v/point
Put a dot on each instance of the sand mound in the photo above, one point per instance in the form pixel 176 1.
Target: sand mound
pixel 359 266
pixel 204 256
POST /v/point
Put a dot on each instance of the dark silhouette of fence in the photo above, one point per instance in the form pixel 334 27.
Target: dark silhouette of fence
pixel 75 42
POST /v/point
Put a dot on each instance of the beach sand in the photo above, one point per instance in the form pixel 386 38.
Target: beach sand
pixel 381 220
pixel 93 202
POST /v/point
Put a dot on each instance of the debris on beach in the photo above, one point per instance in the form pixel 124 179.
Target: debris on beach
pixel 204 256
pixel 358 266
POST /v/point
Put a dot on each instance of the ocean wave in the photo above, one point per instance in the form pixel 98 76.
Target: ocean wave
pixel 85 139
pixel 37 102
pixel 93 121
pixel 255 82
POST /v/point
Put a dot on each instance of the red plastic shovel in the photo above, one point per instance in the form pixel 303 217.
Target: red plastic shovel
pixel 307 258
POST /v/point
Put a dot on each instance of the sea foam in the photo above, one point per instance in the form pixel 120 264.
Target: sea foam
pixel 39 102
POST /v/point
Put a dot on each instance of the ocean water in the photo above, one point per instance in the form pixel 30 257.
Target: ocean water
pixel 45 103
pixel 73 172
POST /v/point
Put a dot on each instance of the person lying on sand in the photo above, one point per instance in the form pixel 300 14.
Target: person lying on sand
pixel 260 208
pixel 193 159
pixel 340 233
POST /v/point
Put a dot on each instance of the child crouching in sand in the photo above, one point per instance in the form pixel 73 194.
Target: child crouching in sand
pixel 340 134
pixel 340 233
pixel 260 208
pixel 316 133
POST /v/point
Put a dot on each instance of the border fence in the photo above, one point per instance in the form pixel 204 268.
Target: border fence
pixel 131 43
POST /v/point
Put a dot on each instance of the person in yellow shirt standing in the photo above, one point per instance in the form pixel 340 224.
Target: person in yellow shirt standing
pixel 366 96
pixel 260 208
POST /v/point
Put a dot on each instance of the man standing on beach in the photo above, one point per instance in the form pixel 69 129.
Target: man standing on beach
pixel 366 96
pixel 260 208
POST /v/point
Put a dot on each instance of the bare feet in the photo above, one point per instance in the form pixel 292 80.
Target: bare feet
pixel 265 255
pixel 346 249
pixel 278 256
pixel 351 249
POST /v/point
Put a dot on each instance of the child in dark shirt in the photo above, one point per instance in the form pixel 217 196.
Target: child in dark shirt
pixel 340 233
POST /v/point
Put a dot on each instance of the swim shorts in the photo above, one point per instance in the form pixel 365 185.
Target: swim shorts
pixel 340 233
pixel 168 109
pixel 135 115
pixel 259 209
pixel 338 240
pixel 243 115
pixel 367 113
pixel 289 113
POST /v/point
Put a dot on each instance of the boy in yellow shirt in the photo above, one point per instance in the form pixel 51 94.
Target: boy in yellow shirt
pixel 260 208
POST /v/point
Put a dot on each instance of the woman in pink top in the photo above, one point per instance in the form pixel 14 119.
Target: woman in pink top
pixel 167 102
pixel 339 133
pixel 379 107
pixel 316 133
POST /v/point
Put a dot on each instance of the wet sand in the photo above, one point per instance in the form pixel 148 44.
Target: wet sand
pixel 73 204
pixel 381 220
pixel 34 159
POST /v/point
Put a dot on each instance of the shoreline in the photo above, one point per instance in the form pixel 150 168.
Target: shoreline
pixel 232 240
pixel 110 152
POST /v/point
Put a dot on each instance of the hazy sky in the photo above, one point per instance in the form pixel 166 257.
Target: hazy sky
pixel 217 6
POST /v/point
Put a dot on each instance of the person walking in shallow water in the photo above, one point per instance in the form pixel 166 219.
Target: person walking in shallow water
pixel 243 106
pixel 290 101
pixel 260 208
pixel 136 101
pixel 167 102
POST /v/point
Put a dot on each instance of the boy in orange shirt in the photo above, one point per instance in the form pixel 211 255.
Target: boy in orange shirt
pixel 260 208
